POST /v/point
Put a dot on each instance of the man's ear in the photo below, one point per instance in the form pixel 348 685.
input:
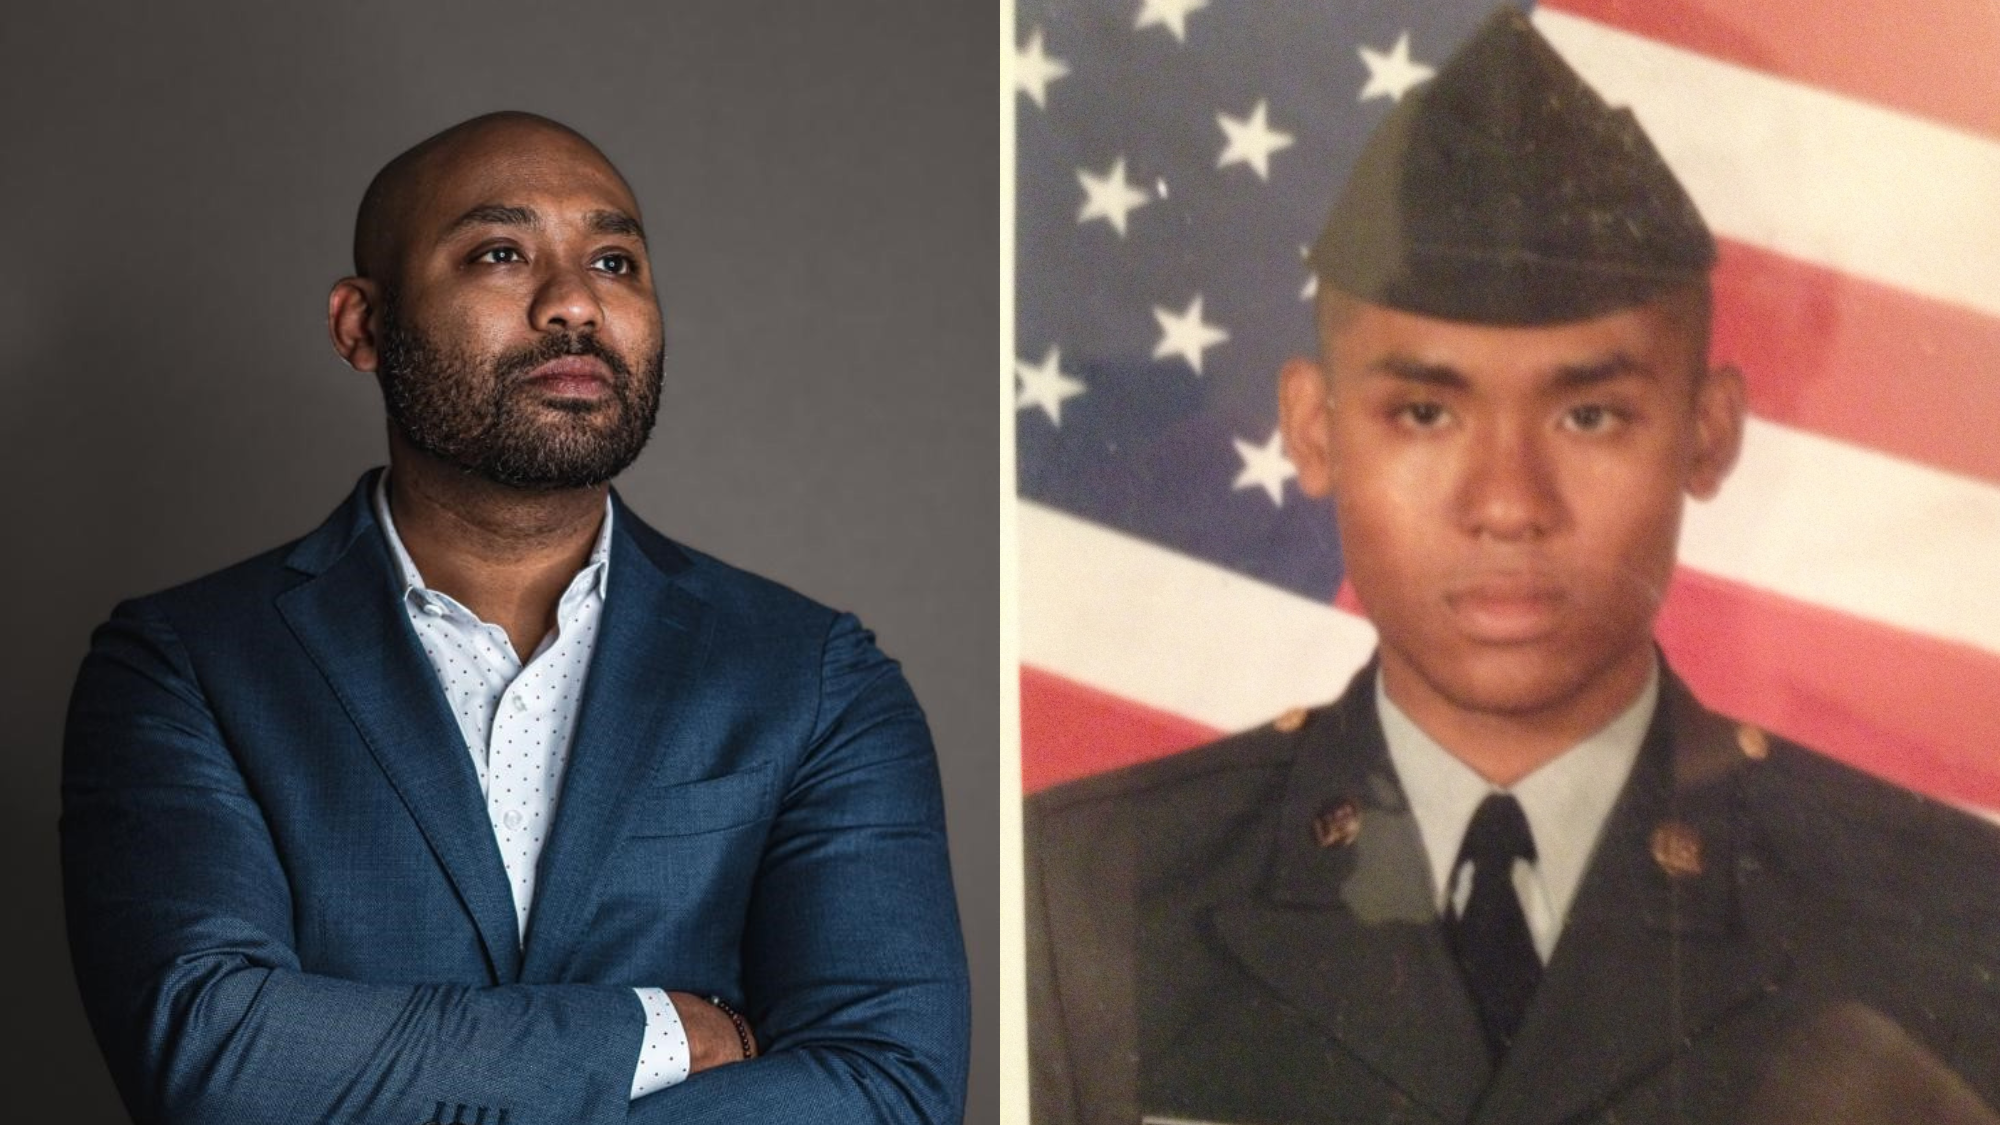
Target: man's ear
pixel 1719 408
pixel 1307 423
pixel 350 320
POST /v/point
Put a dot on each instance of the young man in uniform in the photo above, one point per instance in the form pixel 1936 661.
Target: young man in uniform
pixel 1517 873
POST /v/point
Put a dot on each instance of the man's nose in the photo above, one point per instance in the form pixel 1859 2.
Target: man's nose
pixel 1510 490
pixel 565 302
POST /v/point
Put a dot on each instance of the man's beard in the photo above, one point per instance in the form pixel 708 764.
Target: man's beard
pixel 489 423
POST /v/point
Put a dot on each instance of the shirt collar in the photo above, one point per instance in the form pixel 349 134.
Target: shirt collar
pixel 1567 800
pixel 594 575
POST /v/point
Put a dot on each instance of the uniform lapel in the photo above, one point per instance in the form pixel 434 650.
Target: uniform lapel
pixel 1346 930
pixel 349 618
pixel 650 650
pixel 1654 953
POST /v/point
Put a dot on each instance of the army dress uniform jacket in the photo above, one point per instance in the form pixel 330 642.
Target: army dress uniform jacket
pixel 1247 933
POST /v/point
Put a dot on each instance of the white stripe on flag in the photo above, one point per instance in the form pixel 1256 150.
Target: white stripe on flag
pixel 1856 531
pixel 1807 173
pixel 1183 636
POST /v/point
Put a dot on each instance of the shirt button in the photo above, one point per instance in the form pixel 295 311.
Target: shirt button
pixel 520 702
pixel 511 818
pixel 434 609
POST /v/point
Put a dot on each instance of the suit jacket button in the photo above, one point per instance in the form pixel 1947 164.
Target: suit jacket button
pixel 1337 824
pixel 1677 849
pixel 1755 744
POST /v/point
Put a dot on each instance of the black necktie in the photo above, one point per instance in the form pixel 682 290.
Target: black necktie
pixel 1490 936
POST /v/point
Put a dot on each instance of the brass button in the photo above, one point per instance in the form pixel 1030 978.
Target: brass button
pixel 1756 745
pixel 1290 720
pixel 1337 824
pixel 1677 849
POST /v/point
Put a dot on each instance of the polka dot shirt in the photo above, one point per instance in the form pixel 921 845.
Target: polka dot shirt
pixel 518 720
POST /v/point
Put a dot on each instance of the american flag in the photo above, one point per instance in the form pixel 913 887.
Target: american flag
pixel 1174 157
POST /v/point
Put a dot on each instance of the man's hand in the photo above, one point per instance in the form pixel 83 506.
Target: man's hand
pixel 712 1038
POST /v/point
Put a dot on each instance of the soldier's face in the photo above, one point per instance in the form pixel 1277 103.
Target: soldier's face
pixel 1509 499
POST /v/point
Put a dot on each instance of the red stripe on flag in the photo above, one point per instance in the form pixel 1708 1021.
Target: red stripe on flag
pixel 1934 61
pixel 1070 731
pixel 1918 711
pixel 1861 362
pixel 1345 598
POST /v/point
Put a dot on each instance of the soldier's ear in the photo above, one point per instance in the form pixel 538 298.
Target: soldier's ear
pixel 1719 406
pixel 1307 423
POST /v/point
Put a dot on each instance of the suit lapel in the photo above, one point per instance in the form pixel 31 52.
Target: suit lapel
pixel 650 650
pixel 1654 953
pixel 1346 930
pixel 349 618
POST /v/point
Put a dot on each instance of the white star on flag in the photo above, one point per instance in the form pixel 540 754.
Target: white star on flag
pixel 1393 74
pixel 1170 14
pixel 1265 466
pixel 1251 140
pixel 1035 69
pixel 1110 197
pixel 1046 385
pixel 1185 334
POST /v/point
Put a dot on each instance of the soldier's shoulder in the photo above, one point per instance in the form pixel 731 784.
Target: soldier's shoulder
pixel 1877 847
pixel 1253 759
pixel 1815 799
pixel 1157 830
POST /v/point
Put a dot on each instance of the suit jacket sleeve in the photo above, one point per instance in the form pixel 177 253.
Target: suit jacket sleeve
pixel 853 968
pixel 180 926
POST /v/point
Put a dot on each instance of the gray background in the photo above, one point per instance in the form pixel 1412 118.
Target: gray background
pixel 176 195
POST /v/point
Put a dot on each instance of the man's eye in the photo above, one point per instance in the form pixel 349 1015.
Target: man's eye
pixel 616 263
pixel 498 255
pixel 1422 415
pixel 1590 418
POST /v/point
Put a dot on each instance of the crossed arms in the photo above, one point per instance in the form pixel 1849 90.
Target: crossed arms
pixel 182 928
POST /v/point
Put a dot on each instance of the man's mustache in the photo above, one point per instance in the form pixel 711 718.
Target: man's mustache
pixel 516 365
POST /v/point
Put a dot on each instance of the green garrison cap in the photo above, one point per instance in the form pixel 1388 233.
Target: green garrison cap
pixel 1505 191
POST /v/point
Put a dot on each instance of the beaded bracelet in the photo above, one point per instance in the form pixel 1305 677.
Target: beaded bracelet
pixel 742 1029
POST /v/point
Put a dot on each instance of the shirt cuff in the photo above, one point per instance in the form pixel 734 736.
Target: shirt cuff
pixel 663 1054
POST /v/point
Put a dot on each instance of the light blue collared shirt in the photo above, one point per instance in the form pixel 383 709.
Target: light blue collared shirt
pixel 1567 800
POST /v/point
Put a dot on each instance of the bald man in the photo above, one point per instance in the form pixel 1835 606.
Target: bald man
pixel 485 802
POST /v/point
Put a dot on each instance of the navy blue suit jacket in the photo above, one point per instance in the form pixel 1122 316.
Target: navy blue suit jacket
pixel 285 901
